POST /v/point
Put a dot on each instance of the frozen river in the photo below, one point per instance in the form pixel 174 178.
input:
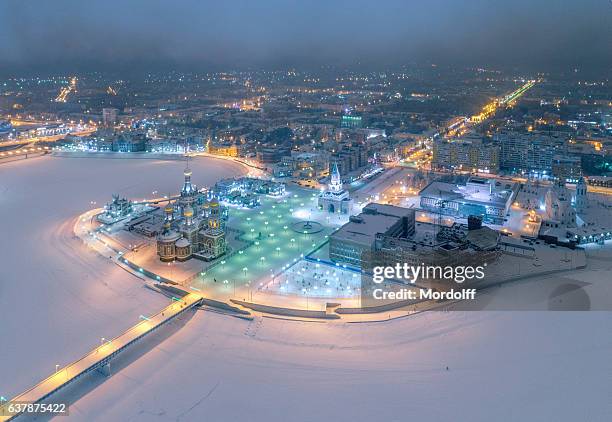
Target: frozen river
pixel 57 299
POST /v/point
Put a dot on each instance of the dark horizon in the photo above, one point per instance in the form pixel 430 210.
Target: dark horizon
pixel 71 36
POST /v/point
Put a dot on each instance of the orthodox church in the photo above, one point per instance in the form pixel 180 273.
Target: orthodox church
pixel 558 203
pixel 193 226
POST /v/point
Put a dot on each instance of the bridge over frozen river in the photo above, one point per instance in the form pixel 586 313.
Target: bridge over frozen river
pixel 100 357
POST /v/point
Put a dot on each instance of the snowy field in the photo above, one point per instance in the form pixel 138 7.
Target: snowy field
pixel 503 366
pixel 57 299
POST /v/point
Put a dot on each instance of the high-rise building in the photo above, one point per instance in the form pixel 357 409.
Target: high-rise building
pixel 471 154
pixel 528 152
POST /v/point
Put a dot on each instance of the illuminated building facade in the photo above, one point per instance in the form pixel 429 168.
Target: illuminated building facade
pixel 335 199
pixel 350 121
pixel 466 154
pixel 193 227
pixel 348 244
pixel 480 197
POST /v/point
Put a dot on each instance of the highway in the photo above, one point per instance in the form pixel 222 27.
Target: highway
pixel 100 357
pixel 513 96
pixel 461 125
pixel 64 92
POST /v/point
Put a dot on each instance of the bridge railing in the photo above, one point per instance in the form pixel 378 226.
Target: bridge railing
pixel 81 366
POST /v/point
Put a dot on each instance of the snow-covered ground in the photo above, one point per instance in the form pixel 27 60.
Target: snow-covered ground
pixel 57 299
pixel 503 366
pixel 317 280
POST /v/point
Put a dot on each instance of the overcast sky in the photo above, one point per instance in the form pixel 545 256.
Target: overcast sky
pixel 69 35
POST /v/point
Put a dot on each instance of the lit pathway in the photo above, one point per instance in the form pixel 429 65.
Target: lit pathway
pixel 99 357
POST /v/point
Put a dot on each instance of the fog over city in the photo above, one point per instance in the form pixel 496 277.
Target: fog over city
pixel 118 35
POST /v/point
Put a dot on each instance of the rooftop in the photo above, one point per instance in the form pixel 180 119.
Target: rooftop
pixel 451 192
pixel 387 210
pixel 375 218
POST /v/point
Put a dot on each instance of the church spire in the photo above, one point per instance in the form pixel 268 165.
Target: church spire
pixel 188 188
pixel 335 184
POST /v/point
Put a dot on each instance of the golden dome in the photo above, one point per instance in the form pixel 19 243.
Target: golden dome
pixel 188 211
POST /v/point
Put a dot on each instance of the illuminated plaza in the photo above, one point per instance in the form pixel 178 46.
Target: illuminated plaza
pixel 277 254
pixel 275 245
